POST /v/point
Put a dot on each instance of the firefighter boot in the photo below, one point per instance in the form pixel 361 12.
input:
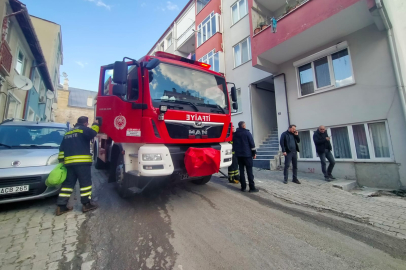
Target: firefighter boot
pixel 89 206
pixel 60 210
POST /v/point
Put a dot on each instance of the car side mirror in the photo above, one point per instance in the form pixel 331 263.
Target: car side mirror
pixel 119 90
pixel 235 106
pixel 120 72
pixel 153 63
pixel 233 94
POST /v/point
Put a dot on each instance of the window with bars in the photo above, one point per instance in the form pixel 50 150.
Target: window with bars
pixel 212 59
pixel 365 141
pixel 242 52
pixel 239 10
pixel 208 28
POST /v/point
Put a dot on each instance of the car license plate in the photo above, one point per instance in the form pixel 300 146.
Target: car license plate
pixel 8 190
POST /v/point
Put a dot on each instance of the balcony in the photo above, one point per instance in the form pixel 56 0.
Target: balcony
pixel 302 26
pixel 6 59
pixel 186 40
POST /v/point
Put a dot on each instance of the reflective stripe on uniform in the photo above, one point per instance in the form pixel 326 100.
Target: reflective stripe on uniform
pixel 86 194
pixel 67 189
pixel 78 161
pixel 96 128
pixel 61 155
pixel 74 131
pixel 78 157
pixel 64 195
pixel 86 188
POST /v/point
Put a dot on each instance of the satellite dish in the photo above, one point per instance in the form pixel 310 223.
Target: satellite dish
pixel 54 106
pixel 22 82
pixel 50 95
pixel 64 75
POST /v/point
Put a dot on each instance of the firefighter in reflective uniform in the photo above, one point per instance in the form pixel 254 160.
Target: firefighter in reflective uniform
pixel 75 153
pixel 233 172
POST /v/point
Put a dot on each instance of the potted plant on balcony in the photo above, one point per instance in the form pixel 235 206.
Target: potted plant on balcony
pixel 263 25
pixel 257 30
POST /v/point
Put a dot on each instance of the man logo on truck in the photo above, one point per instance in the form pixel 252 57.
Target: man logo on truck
pixel 196 132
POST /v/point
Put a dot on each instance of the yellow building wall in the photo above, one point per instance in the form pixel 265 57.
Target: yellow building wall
pixel 64 113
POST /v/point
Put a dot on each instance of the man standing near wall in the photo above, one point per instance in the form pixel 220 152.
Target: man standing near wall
pixel 245 151
pixel 323 149
pixel 288 142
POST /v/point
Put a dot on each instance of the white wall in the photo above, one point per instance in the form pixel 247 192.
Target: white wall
pixel 373 97
pixel 245 74
pixel 185 21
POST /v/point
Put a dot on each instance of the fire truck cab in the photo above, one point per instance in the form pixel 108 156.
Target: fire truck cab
pixel 152 111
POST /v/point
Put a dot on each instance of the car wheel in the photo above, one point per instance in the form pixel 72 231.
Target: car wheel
pixel 202 181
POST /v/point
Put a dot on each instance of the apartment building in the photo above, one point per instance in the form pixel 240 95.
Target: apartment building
pixel 336 63
pixel 50 38
pixel 21 54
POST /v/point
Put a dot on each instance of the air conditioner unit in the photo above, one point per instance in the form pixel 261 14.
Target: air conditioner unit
pixel 42 99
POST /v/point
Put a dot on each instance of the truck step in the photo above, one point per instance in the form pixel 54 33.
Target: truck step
pixel 135 190
pixel 134 172
pixel 133 155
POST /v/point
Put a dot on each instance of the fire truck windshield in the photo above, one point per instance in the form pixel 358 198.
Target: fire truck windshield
pixel 188 88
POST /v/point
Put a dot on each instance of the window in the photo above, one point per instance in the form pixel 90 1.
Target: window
pixel 42 90
pixel 207 28
pixel 37 80
pixel 31 114
pixel 169 40
pixel 201 4
pixel 305 145
pixel 363 142
pixel 21 62
pixel 162 46
pixel 239 10
pixel 242 52
pixel 13 107
pixel 212 59
pixel 326 70
pixel 89 102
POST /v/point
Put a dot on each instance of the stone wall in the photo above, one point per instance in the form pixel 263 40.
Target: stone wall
pixel 64 113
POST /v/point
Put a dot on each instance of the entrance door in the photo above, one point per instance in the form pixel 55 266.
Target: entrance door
pixel 121 115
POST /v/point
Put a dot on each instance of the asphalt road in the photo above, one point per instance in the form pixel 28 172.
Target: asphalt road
pixel 216 226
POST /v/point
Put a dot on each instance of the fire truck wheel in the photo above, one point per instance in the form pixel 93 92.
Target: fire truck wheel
pixel 202 181
pixel 98 163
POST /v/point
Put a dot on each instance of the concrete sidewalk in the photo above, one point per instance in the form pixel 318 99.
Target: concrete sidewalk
pixel 387 213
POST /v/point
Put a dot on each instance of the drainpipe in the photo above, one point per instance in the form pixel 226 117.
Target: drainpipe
pixel 286 93
pixel 395 58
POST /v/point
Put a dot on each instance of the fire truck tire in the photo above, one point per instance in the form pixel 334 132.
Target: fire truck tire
pixel 98 163
pixel 202 181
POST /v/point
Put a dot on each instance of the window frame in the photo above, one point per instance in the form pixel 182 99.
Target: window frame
pixel 200 27
pixel 169 40
pixel 249 52
pixel 24 60
pixel 317 56
pixel 30 110
pixel 37 80
pixel 19 105
pixel 354 158
pixel 212 57
pixel 238 10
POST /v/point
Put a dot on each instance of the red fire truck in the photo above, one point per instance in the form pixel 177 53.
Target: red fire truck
pixel 164 117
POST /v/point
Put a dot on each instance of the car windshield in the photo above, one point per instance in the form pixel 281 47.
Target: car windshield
pixel 30 136
pixel 188 88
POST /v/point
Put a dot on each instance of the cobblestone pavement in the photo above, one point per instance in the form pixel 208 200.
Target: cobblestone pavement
pixel 387 214
pixel 32 237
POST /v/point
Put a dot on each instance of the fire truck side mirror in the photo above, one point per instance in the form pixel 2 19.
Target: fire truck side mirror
pixel 120 72
pixel 235 106
pixel 119 90
pixel 233 94
pixel 153 63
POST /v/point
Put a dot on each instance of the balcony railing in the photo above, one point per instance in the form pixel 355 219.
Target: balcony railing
pixel 262 17
pixel 6 58
pixel 185 35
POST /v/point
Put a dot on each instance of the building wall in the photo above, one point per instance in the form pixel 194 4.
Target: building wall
pixel 64 113
pixel 372 97
pixel 245 74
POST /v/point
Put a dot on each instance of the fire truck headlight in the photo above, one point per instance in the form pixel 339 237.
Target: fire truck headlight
pixel 163 108
pixel 151 157
pixel 229 152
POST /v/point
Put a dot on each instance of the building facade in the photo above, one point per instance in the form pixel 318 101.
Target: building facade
pixel 336 63
pixel 21 55
pixel 73 103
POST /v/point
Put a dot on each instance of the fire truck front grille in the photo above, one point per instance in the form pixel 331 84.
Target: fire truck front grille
pixel 179 131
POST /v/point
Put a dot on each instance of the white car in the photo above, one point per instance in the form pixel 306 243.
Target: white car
pixel 28 153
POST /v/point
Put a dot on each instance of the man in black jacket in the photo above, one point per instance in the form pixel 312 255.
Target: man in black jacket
pixel 245 151
pixel 288 142
pixel 75 154
pixel 323 149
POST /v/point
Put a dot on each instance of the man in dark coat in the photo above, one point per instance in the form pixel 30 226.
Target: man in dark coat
pixel 323 149
pixel 233 172
pixel 245 151
pixel 288 142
